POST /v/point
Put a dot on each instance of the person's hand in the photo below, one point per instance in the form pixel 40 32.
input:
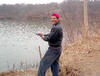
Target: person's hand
pixel 41 35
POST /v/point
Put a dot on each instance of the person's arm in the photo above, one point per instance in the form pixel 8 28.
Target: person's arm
pixel 45 37
pixel 52 36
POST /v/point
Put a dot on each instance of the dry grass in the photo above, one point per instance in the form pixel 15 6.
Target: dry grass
pixel 81 58
pixel 30 72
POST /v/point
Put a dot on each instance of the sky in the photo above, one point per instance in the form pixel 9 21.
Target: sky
pixel 28 1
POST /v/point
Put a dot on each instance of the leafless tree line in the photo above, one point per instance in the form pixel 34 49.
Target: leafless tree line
pixel 73 9
pixel 71 12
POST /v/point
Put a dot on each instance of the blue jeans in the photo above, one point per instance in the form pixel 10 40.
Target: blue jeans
pixel 50 59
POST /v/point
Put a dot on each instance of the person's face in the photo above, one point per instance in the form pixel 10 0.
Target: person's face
pixel 54 20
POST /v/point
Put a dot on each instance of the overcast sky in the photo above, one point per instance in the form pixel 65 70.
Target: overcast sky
pixel 28 1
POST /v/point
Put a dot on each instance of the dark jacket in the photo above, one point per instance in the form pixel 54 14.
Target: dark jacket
pixel 55 36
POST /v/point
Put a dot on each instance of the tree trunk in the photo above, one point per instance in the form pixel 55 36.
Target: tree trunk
pixel 86 27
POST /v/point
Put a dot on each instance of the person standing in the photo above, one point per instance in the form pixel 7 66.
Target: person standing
pixel 52 55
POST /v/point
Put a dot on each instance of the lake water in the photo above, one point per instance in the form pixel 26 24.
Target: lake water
pixel 19 44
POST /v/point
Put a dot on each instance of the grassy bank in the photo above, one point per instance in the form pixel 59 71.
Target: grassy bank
pixel 81 58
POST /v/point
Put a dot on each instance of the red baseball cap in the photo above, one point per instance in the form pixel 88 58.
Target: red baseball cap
pixel 55 14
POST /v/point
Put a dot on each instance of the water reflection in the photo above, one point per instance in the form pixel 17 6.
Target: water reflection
pixel 19 44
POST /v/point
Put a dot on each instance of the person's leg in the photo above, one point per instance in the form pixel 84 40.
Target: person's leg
pixel 42 68
pixel 48 59
pixel 55 67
